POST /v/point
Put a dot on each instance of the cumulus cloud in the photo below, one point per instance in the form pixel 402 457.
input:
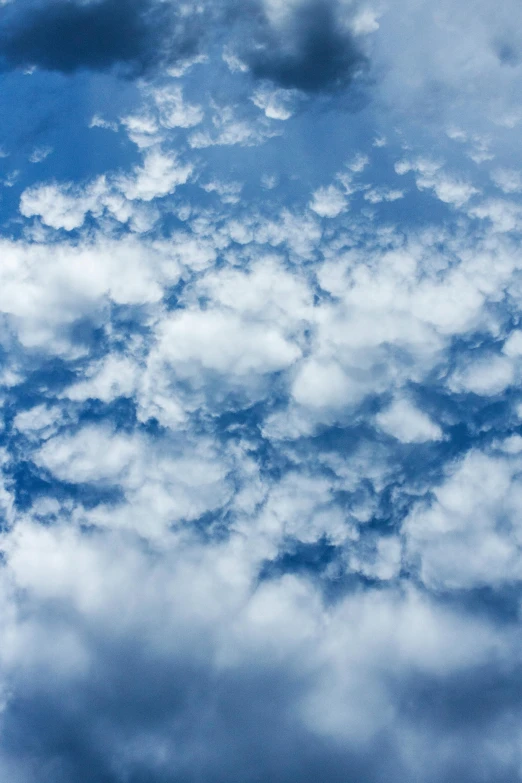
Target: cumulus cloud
pixel 488 375
pixel 328 202
pixel 408 424
pixel 429 174
pixel 260 407
pixel 469 535
pixel 66 206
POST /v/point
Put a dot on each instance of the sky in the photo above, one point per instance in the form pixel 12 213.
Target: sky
pixel 260 391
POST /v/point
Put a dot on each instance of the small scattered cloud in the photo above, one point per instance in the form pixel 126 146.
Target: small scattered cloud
pixel 39 154
pixel 328 202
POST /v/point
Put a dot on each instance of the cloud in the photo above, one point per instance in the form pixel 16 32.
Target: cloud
pixel 488 375
pixel 229 129
pixel 66 206
pixel 331 686
pixel 174 112
pixel 428 174
pixel 308 45
pixel 408 424
pixel 312 47
pixel 260 453
pixel 508 180
pixel 276 104
pixel 328 202
pixel 469 535
pixel 134 36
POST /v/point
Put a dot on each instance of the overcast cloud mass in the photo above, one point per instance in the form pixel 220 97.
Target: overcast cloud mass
pixel 260 391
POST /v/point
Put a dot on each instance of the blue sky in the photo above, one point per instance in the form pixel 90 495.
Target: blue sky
pixel 260 391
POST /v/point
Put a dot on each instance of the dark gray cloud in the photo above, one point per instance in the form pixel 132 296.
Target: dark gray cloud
pixel 144 713
pixel 69 35
pixel 314 50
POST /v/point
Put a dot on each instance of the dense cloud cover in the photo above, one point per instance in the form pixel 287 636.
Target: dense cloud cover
pixel 260 392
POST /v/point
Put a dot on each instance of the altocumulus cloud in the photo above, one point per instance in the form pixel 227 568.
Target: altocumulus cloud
pixel 70 35
pixel 260 394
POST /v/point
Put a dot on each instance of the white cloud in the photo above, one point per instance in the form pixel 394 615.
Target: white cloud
pixel 113 377
pixel 229 130
pixel 39 422
pixel 234 63
pixel 470 536
pixel 92 454
pixel 377 195
pixel 221 341
pixel 66 205
pixel 228 192
pixel 429 175
pixel 359 163
pixel 174 112
pixel 142 129
pixel 160 488
pixel 100 122
pixel 159 176
pixel 488 375
pixel 44 289
pixel 276 104
pixel 407 423
pixel 513 345
pixel 62 207
pixel 39 154
pixel 252 342
pixel 324 385
pixel 508 180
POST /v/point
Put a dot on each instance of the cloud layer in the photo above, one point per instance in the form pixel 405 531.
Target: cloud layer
pixel 260 394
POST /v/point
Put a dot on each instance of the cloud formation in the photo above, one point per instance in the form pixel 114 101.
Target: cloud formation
pixel 134 36
pixel 308 45
pixel 260 401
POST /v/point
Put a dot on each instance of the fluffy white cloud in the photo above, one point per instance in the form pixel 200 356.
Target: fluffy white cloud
pixel 174 112
pixel 220 341
pixel 160 488
pixel 407 423
pixel 469 535
pixel 115 376
pixel 205 396
pixel 66 206
pixel 229 129
pixel 508 180
pixel 276 104
pixel 160 175
pixel 328 202
pixel 488 375
pixel 429 174
pixel 46 288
